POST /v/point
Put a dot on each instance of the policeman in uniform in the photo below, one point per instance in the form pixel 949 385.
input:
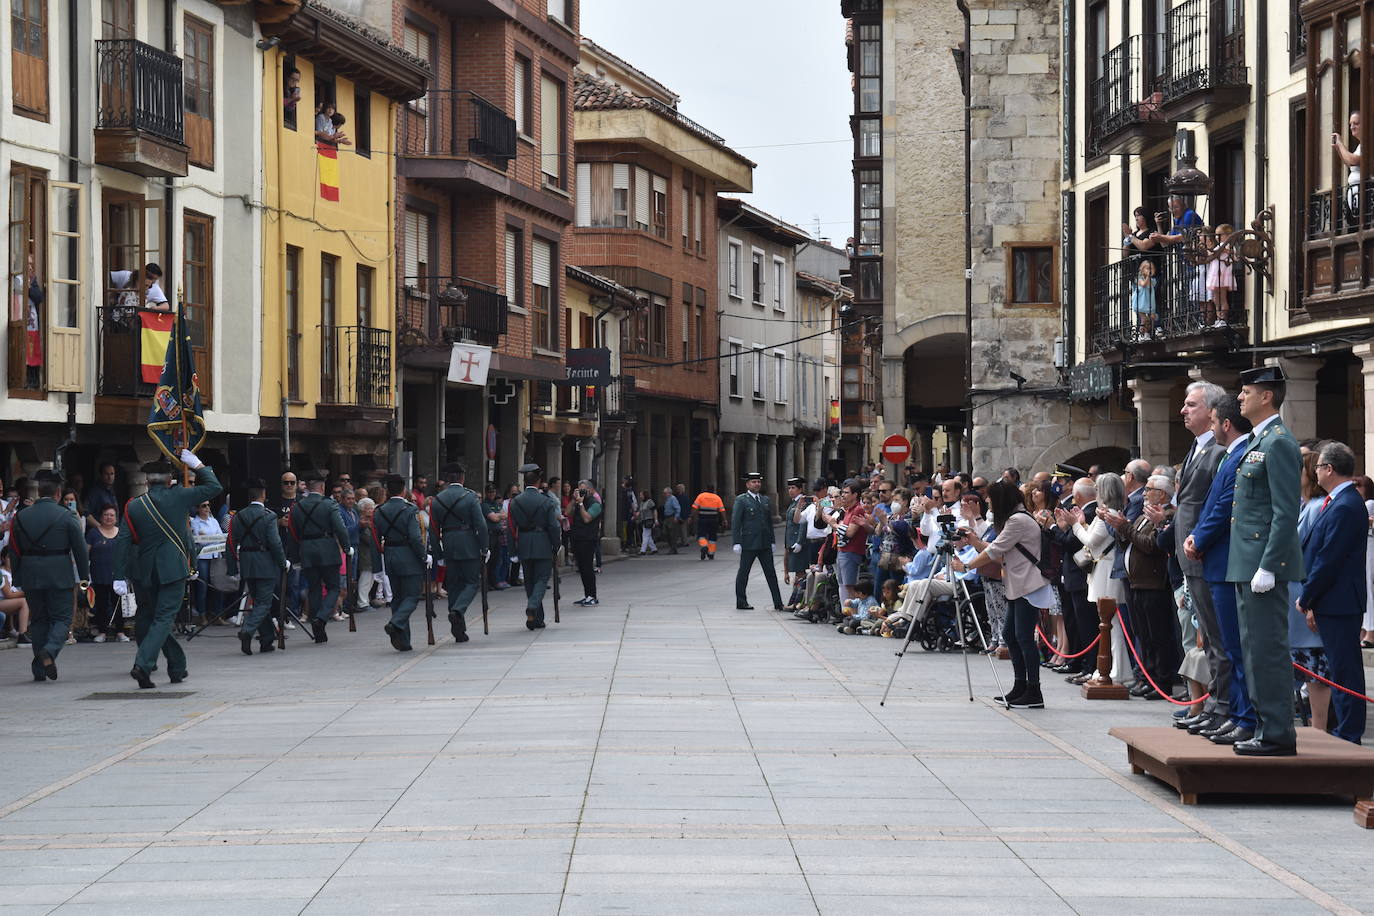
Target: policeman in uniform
pixel 751 520
pixel 255 553
pixel 1265 556
pixel 396 530
pixel 538 533
pixel 46 538
pixel 154 550
pixel 458 538
pixel 316 525
pixel 794 531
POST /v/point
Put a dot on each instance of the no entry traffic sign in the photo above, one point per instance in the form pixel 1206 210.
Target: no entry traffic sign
pixel 896 449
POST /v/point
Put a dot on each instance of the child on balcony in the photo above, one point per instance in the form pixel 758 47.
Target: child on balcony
pixel 1221 277
pixel 1143 300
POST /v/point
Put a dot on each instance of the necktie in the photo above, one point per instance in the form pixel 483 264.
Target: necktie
pixel 1325 502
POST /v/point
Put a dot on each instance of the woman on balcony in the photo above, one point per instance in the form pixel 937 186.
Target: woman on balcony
pixel 1351 158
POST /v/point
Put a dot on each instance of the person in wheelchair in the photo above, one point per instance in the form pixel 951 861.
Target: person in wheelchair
pixel 923 591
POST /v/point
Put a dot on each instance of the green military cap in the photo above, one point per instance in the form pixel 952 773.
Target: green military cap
pixel 753 475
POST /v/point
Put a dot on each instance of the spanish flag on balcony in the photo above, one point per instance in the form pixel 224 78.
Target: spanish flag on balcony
pixel 329 170
pixel 156 331
pixel 176 420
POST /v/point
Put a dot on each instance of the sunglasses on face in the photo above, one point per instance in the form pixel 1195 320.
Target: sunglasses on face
pixel 288 483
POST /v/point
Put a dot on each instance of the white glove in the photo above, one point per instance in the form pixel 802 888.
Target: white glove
pixel 429 562
pixel 351 551
pixel 121 588
pixel 738 548
pixel 796 548
pixel 189 459
pixel 772 549
pixel 1263 581
pixel 285 565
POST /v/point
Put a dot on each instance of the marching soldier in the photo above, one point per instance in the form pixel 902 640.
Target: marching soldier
pixel 256 554
pixel 1265 556
pixel 751 519
pixel 535 518
pixel 154 550
pixel 458 537
pixel 45 539
pixel 315 522
pixel 396 531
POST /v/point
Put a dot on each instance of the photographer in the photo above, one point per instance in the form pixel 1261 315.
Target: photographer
pixel 922 593
pixel 851 535
pixel 1017 546
pixel 584 511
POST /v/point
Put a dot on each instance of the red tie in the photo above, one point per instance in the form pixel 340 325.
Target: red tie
pixel 1326 502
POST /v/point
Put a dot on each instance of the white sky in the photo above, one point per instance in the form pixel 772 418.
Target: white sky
pixel 767 75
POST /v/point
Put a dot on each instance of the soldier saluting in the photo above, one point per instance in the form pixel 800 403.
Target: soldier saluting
pixel 154 550
pixel 255 553
pixel 458 536
pixel 316 525
pixel 535 518
pixel 45 540
pixel 751 520
pixel 396 531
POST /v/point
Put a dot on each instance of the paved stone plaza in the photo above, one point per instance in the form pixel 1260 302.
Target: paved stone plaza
pixel 661 753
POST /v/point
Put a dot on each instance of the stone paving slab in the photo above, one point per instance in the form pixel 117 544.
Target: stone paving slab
pixel 646 756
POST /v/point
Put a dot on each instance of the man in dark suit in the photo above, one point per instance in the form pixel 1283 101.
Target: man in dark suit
pixel 1194 482
pixel 316 525
pixel 255 554
pixel 1334 591
pixel 45 539
pixel 751 521
pixel 1079 613
pixel 1209 546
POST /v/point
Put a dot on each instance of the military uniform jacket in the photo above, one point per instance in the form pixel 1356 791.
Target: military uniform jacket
pixel 751 521
pixel 154 543
pixel 255 548
pixel 46 537
pixel 534 516
pixel 792 531
pixel 396 532
pixel 1264 519
pixel 458 529
pixel 317 526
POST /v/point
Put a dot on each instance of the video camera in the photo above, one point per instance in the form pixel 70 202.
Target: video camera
pixel 950 533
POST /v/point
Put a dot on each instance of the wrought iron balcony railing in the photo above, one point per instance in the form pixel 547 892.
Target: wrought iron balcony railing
pixel 355 366
pixel 140 88
pixel 448 309
pixel 457 123
pixel 1127 94
pixel 1206 47
pixel 1183 307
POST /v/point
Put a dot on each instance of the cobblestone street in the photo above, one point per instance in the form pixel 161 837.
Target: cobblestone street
pixel 661 753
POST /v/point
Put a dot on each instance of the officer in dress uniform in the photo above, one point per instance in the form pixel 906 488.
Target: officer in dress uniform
pixel 396 529
pixel 794 531
pixel 154 550
pixel 45 539
pixel 458 538
pixel 538 532
pixel 751 520
pixel 316 525
pixel 1265 553
pixel 255 553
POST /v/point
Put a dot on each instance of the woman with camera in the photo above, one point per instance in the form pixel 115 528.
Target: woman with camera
pixel 584 532
pixel 1017 548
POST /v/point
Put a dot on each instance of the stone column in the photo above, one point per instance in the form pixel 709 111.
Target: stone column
pixel 1299 410
pixel 925 449
pixel 553 456
pixel 750 461
pixel 956 448
pixel 610 494
pixel 813 462
pixel 1152 416
pixel 729 462
pixel 474 402
pixel 430 427
pixel 770 469
pixel 1365 353
pixel 710 461
pixel 586 456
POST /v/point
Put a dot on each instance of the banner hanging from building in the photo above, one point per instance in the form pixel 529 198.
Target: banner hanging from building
pixel 156 331
pixel 589 366
pixel 469 364
pixel 329 170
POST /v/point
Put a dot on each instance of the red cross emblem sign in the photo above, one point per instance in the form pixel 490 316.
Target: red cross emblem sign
pixel 468 364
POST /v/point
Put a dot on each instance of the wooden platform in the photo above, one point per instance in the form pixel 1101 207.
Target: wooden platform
pixel 1194 766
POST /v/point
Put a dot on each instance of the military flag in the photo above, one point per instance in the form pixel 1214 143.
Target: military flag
pixel 176 420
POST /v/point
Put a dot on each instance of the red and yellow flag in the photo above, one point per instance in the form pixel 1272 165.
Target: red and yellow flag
pixel 329 170
pixel 156 332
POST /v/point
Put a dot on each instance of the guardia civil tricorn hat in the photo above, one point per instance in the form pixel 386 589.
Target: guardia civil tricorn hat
pixel 1263 375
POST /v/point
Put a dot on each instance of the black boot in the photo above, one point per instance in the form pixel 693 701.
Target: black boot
pixel 1030 698
pixel 1017 688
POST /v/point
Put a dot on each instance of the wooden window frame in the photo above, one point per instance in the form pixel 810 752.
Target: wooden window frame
pixel 204 355
pixel 199 128
pixel 545 307
pixel 330 377
pixel 859 76
pixel 365 295
pixel 32 226
pixel 361 133
pixel 35 106
pixel 1011 249
pixel 558 181
pixel 110 27
pixel 523 108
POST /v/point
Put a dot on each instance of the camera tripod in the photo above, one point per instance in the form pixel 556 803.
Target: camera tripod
pixel 963 604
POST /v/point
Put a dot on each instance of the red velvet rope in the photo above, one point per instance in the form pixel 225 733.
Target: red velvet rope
pixel 1057 653
pixel 1130 645
pixel 1317 677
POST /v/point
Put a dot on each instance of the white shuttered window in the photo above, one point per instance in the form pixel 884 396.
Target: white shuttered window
pixel 541 278
pixel 514 295
pixel 551 128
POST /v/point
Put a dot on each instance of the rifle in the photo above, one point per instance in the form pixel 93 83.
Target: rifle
pixel 486 631
pixel 429 608
pixel 557 591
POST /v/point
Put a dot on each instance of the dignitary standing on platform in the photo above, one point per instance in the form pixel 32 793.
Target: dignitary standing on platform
pixel 1209 546
pixel 1334 590
pixel 255 554
pixel 751 520
pixel 1264 553
pixel 45 539
pixel 317 527
pixel 154 550
pixel 538 533
pixel 458 536
pixel 396 530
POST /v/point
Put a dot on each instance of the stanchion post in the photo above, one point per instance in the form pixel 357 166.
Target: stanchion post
pixel 1101 686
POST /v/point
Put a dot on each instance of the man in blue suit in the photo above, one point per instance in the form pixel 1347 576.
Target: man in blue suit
pixel 1210 544
pixel 1333 594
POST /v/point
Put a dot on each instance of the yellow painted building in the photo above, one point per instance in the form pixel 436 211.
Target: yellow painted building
pixel 328 327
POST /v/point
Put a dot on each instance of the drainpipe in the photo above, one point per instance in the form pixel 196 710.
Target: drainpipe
pixel 1261 151
pixel 967 66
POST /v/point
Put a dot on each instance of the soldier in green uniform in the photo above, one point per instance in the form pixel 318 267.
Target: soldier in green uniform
pixel 255 553
pixel 458 537
pixel 45 538
pixel 316 525
pixel 751 521
pixel 154 550
pixel 1265 556
pixel 538 534
pixel 396 530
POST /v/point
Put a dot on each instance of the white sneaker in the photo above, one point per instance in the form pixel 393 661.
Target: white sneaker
pixel 121 638
pixel 100 638
pixel 1219 323
pixel 290 625
pixel 237 619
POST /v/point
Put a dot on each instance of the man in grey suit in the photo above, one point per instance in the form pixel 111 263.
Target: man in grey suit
pixel 1194 480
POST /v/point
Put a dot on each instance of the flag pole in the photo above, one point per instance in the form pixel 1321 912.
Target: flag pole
pixel 185 429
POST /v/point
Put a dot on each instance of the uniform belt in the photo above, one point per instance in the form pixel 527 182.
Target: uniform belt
pixel 447 530
pixel 250 550
pixel 319 537
pixel 43 552
pixel 528 530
